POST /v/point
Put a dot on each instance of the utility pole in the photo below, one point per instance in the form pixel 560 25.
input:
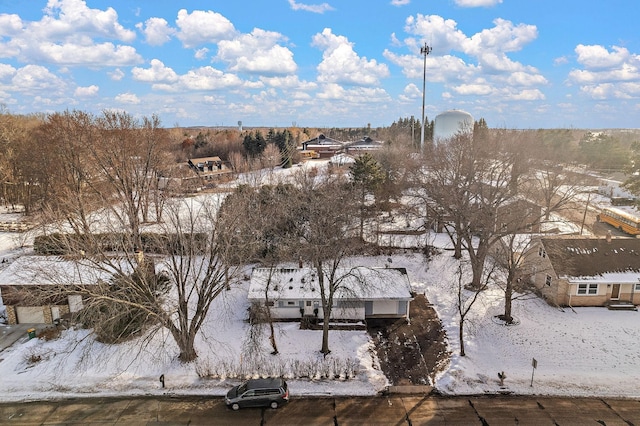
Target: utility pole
pixel 425 50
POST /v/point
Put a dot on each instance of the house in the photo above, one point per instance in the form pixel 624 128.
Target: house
pixel 207 171
pixel 363 293
pixel 26 288
pixel 364 145
pixel 587 271
pixel 323 146
pixel 518 215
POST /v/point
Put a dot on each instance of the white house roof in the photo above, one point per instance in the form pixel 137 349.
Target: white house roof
pixel 51 270
pixel 360 283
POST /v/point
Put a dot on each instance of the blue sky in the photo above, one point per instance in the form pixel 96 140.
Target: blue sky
pixel 339 63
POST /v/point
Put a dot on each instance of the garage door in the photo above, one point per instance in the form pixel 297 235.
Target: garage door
pixel 30 315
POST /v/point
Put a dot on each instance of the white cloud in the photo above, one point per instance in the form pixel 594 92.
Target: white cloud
pixel 493 69
pixel 400 2
pixel 439 32
pixel 477 3
pixel 526 95
pixel 257 52
pixel 157 73
pixel 68 18
pixel 128 98
pixel 607 74
pixel 10 25
pixel 103 54
pixel 203 27
pixel 315 8
pixel 341 64
pixel 596 56
pixel 6 71
pixel 503 37
pixel 288 82
pixel 204 78
pixel 473 89
pixel 65 36
pixel 85 92
pixel 156 31
pixel 116 75
pixel 35 79
pixel 201 53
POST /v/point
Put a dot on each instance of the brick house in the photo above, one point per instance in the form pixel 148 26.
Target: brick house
pixel 587 271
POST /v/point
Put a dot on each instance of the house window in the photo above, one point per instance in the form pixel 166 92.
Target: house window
pixel 547 281
pixel 588 289
pixel 637 287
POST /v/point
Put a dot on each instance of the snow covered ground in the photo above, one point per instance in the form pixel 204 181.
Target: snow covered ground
pixel 580 352
pixel 585 351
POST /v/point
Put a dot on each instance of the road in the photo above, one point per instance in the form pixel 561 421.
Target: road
pixel 382 410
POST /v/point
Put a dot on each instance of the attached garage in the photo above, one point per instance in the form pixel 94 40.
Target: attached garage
pixel 30 314
pixel 38 289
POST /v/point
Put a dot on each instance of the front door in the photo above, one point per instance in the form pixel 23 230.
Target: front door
pixel 308 307
pixel 615 292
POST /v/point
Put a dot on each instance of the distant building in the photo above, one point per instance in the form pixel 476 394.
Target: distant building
pixel 325 147
pixel 366 144
pixel 204 171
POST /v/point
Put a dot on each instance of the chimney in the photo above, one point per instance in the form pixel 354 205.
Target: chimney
pixel 608 237
pixel 300 262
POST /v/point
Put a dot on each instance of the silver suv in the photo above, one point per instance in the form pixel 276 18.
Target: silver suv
pixel 270 392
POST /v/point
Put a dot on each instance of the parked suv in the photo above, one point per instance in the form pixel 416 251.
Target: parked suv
pixel 270 392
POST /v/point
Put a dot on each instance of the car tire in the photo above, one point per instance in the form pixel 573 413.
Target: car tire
pixel 235 407
pixel 273 405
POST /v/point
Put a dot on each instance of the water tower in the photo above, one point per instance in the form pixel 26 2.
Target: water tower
pixel 450 123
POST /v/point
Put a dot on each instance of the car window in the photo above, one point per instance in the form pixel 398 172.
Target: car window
pixel 248 394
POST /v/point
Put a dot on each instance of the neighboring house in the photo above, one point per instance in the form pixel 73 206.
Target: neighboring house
pixel 26 284
pixel 364 145
pixel 207 169
pixel 341 160
pixel 363 293
pixel 324 147
pixel 206 164
pixel 587 271
pixel 519 215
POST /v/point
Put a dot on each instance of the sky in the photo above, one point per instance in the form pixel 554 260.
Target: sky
pixel 339 63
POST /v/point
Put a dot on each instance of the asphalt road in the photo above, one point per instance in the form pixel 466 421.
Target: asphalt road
pixel 382 410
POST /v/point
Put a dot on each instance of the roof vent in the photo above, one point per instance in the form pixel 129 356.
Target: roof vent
pixel 608 237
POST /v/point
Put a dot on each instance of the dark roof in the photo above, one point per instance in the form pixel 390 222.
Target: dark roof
pixel 587 257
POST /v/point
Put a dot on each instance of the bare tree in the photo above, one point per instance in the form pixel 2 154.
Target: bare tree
pixel 265 236
pixel 510 260
pixel 328 235
pixel 127 157
pixel 466 299
pixel 185 266
pixel 21 183
pixel 553 187
pixel 472 182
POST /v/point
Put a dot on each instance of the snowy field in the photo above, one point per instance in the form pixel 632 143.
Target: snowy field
pixel 579 352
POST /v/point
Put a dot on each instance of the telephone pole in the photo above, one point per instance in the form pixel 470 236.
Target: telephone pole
pixel 425 50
